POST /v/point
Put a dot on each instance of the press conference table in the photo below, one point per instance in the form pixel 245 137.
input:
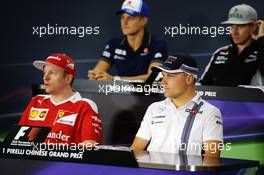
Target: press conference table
pixel 148 163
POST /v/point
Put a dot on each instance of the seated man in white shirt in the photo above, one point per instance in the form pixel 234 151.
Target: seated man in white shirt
pixel 182 123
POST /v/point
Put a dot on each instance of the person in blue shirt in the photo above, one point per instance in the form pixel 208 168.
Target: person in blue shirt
pixel 136 52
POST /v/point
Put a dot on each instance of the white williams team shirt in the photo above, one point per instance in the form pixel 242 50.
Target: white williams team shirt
pixel 172 129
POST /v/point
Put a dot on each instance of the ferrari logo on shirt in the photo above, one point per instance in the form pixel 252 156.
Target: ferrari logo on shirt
pixel 38 114
pixel 61 114
pixel 66 117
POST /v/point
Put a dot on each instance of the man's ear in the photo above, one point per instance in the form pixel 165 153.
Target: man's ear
pixel 255 28
pixel 190 79
pixel 254 31
pixel 69 78
pixel 144 20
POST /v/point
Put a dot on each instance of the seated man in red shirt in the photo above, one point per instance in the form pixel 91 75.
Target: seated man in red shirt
pixel 72 119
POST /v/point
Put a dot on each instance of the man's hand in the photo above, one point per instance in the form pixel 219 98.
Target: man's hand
pixel 212 148
pixel 139 144
pixel 260 32
pixel 102 65
pixel 102 75
pixel 99 75
pixel 91 74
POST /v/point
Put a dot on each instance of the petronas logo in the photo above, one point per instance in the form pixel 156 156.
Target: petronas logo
pixel 235 14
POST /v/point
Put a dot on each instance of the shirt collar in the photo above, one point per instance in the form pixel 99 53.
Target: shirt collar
pixel 72 99
pixel 145 43
pixel 252 45
pixel 196 99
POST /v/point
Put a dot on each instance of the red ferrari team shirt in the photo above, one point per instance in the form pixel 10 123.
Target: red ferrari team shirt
pixel 72 121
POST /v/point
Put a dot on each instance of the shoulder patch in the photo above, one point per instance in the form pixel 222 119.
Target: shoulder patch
pixel 41 97
pixel 91 103
pixel 211 107
pixel 222 49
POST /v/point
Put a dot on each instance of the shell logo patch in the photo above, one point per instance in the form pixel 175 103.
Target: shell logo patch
pixel 38 113
pixel 33 114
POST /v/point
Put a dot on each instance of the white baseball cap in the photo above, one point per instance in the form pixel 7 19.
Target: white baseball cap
pixel 241 14
pixel 179 63
pixel 134 8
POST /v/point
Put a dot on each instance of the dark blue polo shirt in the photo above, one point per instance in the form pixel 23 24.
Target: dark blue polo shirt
pixel 132 63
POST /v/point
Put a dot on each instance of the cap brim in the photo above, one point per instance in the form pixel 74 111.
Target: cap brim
pixel 39 64
pixel 128 11
pixel 236 22
pixel 159 69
